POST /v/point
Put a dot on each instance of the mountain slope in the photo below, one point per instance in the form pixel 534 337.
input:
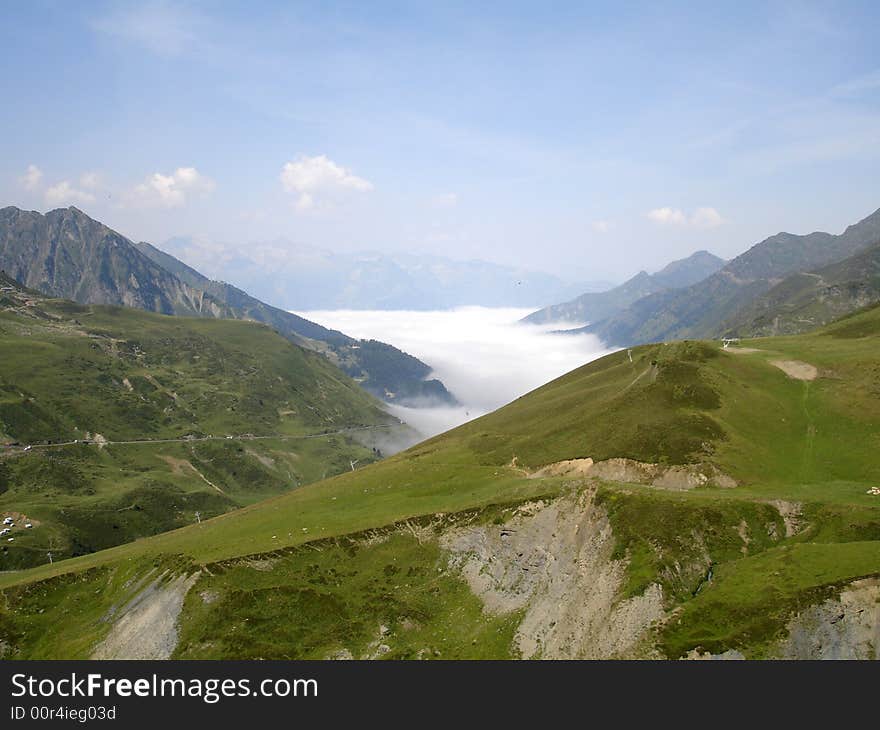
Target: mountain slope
pixel 129 423
pixel 701 309
pixel 67 254
pixel 712 500
pixel 807 300
pixel 597 306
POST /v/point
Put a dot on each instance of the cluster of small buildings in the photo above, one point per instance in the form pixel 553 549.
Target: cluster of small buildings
pixel 9 525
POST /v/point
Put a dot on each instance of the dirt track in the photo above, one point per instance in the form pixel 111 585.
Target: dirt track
pixel 796 369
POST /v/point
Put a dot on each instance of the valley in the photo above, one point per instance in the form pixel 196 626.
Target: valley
pixel 67 254
pixel 540 336
pixel 117 424
pixel 725 508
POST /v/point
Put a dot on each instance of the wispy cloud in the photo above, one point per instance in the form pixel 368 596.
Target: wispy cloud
pixel 602 226
pixel 317 181
pixel 65 193
pixel 90 180
pixel 62 192
pixel 667 216
pixel 170 191
pixel 700 218
pixel 858 85
pixel 31 178
pixel 706 218
pixel 159 27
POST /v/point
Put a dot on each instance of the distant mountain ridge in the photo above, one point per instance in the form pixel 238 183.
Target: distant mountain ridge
pixel 65 253
pixel 702 309
pixel 597 306
pixel 305 278
pixel 811 299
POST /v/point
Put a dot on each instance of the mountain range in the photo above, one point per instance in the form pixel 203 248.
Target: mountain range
pixel 810 299
pixel 65 253
pixel 306 278
pixel 597 306
pixel 710 307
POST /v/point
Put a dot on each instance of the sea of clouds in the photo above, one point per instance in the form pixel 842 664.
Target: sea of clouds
pixel 484 356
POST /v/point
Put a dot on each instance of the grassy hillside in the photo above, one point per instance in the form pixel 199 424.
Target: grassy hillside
pixel 370 563
pixel 136 421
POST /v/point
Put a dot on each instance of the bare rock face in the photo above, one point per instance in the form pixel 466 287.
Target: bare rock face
pixel 846 627
pixel 686 476
pixel 146 627
pixel 553 561
pixel 792 515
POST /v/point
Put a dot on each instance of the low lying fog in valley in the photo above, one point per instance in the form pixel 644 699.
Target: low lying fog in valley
pixel 484 356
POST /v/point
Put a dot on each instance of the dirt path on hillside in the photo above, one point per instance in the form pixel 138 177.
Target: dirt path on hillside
pixel 178 466
pixel 739 350
pixel 796 369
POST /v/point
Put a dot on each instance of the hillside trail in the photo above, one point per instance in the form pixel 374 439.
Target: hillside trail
pixel 806 373
pixel 638 378
pixel 810 438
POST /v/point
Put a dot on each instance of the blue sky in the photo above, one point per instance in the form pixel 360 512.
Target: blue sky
pixel 587 139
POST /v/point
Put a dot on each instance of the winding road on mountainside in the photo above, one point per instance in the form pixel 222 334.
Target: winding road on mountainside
pixel 192 439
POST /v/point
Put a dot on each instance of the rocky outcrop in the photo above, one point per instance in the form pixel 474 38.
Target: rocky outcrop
pixel 845 627
pixel 553 561
pixel 146 627
pixel 679 477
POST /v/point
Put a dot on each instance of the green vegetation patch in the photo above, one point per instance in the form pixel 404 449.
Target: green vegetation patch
pixel 390 598
pixel 677 538
pixel 752 599
pixel 67 616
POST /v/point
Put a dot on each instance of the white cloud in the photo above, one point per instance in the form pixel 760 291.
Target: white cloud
pixel 700 218
pixel 65 193
pixel 602 226
pixel 32 177
pixel 484 355
pixel 89 180
pixel 706 218
pixel 667 216
pixel 171 191
pixel 316 180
